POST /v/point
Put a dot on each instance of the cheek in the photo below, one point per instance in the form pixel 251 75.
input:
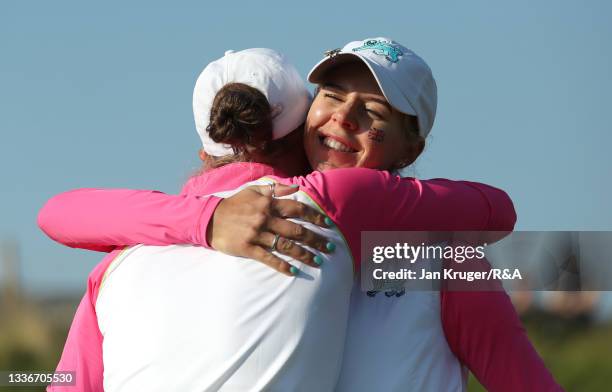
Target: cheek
pixel 396 148
pixel 317 115
pixel 382 147
pixel 320 111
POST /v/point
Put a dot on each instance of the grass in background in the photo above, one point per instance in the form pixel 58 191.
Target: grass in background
pixel 578 354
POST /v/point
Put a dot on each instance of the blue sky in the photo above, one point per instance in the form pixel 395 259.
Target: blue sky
pixel 99 95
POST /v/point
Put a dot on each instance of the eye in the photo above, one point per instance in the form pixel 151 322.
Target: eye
pixel 373 113
pixel 333 97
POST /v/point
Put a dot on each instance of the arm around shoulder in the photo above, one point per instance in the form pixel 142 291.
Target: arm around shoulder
pixel 103 219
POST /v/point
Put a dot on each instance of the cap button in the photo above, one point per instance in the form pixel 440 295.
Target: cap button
pixel 332 53
pixel 229 52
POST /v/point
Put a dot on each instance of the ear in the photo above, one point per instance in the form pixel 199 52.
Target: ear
pixel 203 155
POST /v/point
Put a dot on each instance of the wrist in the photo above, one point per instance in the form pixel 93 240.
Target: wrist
pixel 205 223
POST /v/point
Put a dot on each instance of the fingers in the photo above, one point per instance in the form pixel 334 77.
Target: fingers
pixel 291 249
pixel 292 231
pixel 291 208
pixel 284 190
pixel 258 217
pixel 295 209
pixel 260 254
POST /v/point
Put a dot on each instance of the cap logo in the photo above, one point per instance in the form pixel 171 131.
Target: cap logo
pixel 381 48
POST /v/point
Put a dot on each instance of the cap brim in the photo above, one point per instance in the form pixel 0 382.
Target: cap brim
pixel 387 86
pixel 317 72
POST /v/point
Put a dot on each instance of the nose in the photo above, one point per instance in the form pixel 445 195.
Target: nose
pixel 346 116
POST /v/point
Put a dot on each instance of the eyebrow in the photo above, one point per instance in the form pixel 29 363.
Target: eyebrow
pixel 334 86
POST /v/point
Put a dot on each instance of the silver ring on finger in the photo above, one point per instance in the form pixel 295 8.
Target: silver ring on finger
pixel 275 242
pixel 272 187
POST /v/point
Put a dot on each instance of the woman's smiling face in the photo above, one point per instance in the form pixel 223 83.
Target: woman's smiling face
pixel 351 124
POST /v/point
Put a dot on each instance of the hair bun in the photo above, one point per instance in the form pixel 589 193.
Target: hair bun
pixel 241 117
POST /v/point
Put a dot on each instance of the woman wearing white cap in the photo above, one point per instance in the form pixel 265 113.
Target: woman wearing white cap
pixel 348 154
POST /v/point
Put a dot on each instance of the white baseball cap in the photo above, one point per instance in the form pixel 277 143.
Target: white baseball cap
pixel 403 77
pixel 264 69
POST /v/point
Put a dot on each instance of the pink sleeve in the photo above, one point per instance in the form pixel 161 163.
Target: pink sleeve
pixel 482 328
pixel 485 333
pixel 82 352
pixel 359 199
pixel 102 219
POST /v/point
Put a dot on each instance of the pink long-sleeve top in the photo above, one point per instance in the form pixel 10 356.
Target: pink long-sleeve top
pixel 482 328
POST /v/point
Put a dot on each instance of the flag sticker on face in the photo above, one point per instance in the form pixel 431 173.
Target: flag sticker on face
pixel 377 135
pixel 381 48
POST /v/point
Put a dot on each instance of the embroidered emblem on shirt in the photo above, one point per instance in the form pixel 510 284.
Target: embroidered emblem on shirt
pixel 391 288
pixel 388 294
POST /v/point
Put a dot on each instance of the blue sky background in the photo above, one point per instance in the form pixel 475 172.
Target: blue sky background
pixel 99 95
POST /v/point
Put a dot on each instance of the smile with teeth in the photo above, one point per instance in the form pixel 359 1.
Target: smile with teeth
pixel 335 144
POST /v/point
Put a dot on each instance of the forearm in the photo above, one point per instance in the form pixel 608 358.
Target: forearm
pixel 377 200
pixel 102 219
pixel 447 205
pixel 369 200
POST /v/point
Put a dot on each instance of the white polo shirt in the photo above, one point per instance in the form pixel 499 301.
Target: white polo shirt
pixel 185 318
pixel 395 342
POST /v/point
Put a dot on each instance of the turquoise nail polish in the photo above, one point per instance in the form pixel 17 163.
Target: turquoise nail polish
pixel 328 221
pixel 318 260
pixel 294 186
pixel 294 270
pixel 330 246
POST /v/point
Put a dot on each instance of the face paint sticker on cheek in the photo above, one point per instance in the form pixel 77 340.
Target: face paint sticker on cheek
pixel 376 135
